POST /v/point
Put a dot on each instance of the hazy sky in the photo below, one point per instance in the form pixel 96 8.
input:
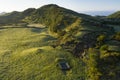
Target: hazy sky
pixel 77 5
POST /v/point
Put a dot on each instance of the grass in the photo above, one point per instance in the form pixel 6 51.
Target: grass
pixel 26 54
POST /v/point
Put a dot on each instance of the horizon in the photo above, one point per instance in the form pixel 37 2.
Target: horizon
pixel 86 5
pixel 98 13
pixel 92 13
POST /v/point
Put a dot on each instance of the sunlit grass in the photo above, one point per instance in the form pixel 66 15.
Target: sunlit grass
pixel 26 54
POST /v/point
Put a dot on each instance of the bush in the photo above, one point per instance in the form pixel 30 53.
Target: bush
pixel 104 47
pixel 117 36
pixel 101 38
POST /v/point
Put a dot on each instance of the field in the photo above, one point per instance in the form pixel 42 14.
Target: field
pixel 26 54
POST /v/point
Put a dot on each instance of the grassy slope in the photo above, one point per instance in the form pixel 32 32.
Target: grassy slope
pixel 115 15
pixel 25 54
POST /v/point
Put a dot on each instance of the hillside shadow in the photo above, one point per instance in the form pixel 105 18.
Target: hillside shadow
pixel 36 30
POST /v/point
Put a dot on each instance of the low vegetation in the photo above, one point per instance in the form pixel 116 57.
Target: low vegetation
pixel 33 42
pixel 27 54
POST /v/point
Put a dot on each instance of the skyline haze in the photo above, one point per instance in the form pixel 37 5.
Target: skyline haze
pixel 76 5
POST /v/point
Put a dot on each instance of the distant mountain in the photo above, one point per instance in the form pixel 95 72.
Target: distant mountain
pixel 15 16
pixel 2 13
pixel 98 13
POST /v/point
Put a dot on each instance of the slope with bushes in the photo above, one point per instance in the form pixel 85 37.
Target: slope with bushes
pixel 33 51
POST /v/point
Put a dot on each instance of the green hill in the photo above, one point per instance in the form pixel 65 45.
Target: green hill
pixel 86 43
pixel 15 17
pixel 56 18
pixel 113 19
pixel 115 15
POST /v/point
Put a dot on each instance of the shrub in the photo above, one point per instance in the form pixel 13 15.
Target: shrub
pixel 117 36
pixel 104 47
